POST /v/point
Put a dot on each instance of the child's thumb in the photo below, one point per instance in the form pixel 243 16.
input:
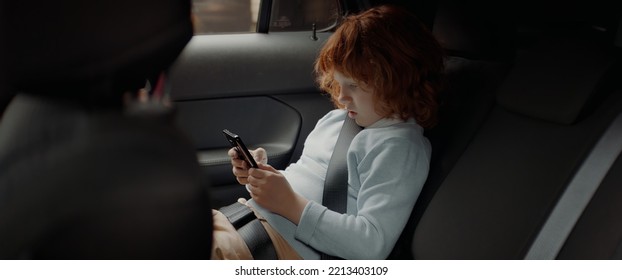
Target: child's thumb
pixel 260 155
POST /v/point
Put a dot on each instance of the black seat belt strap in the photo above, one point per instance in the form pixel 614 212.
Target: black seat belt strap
pixel 578 194
pixel 252 231
pixel 336 184
pixel 238 214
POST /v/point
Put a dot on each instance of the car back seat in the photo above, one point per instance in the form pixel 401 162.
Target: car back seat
pixel 478 58
pixel 551 109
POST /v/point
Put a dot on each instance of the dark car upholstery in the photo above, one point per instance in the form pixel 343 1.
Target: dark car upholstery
pixel 82 185
pixel 478 56
pixel 560 95
pixel 82 176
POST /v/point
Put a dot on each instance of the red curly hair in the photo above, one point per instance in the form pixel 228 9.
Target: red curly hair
pixel 390 51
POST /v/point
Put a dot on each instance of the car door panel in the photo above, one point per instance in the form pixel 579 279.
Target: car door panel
pixel 233 65
pixel 259 86
pixel 261 121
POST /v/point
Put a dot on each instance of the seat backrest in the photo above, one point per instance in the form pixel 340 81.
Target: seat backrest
pixel 554 104
pixel 598 232
pixel 82 176
pixel 77 184
pixel 473 73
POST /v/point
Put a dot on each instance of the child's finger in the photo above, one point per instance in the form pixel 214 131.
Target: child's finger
pixel 260 155
pixel 267 167
pixel 233 153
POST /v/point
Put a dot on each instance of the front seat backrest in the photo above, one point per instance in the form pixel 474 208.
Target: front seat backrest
pixel 82 177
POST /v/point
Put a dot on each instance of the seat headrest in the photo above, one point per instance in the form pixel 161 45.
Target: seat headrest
pixel 469 30
pixel 74 43
pixel 556 78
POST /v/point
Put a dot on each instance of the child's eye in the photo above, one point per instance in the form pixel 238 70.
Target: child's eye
pixel 353 86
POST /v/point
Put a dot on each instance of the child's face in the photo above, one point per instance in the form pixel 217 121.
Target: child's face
pixel 357 99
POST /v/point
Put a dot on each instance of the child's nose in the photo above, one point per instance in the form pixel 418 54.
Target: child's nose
pixel 344 97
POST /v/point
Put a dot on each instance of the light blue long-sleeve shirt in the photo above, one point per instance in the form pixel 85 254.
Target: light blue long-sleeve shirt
pixel 388 164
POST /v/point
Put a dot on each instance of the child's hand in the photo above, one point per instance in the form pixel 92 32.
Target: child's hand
pixel 240 167
pixel 271 190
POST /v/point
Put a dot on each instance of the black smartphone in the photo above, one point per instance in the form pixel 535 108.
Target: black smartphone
pixel 243 153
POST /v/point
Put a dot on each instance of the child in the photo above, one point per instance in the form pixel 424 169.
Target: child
pixel 383 69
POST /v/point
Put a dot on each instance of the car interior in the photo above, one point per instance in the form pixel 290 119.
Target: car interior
pixel 526 155
pixel 530 91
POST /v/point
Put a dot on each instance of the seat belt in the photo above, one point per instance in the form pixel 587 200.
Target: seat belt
pixel 334 198
pixel 251 230
pixel 335 194
pixel 578 194
pixel 336 183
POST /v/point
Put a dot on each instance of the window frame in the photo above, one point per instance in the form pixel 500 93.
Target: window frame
pixel 264 17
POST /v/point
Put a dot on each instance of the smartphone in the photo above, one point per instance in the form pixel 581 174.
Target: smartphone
pixel 240 148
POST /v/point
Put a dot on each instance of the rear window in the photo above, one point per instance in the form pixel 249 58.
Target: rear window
pixel 241 16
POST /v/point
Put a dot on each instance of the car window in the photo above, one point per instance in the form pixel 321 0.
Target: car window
pixel 290 15
pixel 241 16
